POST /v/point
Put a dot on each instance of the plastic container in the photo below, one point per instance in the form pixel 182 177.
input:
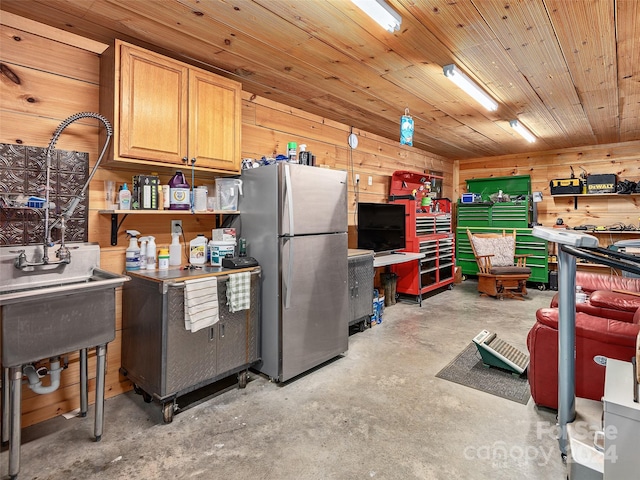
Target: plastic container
pixel 175 250
pixel 581 297
pixel 198 250
pixel 163 259
pixel 220 249
pixel 228 190
pixel 143 252
pixel 124 198
pixel 179 195
pixel 151 253
pixel 132 254
pixel 200 199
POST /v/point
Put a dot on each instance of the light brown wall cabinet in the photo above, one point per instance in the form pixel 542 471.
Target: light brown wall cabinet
pixel 167 113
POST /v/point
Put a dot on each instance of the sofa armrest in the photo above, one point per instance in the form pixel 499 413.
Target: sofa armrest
pixel 615 300
pixel 604 330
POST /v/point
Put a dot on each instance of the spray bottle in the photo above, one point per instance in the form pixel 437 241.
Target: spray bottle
pixel 151 253
pixel 143 252
pixel 133 251
pixel 175 250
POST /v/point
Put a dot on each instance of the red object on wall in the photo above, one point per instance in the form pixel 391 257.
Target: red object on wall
pixel 428 230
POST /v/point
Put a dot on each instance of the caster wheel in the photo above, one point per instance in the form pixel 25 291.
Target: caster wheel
pixel 464 277
pixel 450 286
pixel 167 412
pixel 242 379
pixel 146 397
pixel 362 326
pixel 542 287
pixel 137 389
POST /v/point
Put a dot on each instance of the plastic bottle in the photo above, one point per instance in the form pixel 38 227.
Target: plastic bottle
pixel 291 152
pixel 198 250
pixel 175 250
pixel 143 252
pixel 581 297
pixel 132 253
pixel 163 259
pixel 179 194
pixel 124 197
pixel 151 253
pixel 304 157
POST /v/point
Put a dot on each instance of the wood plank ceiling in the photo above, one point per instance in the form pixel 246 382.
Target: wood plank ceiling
pixel 569 70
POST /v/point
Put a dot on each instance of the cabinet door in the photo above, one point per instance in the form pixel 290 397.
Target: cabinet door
pixel 214 121
pixel 153 107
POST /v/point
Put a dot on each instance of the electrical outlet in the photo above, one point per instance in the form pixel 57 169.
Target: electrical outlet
pixel 176 226
pixel 357 178
pixel 370 181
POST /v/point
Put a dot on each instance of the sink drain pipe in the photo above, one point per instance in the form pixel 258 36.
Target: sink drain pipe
pixel 35 383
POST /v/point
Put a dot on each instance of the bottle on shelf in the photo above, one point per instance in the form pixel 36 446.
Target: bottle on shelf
pixel 124 198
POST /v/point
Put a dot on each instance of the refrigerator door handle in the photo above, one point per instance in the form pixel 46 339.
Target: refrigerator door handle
pixel 289 190
pixel 287 278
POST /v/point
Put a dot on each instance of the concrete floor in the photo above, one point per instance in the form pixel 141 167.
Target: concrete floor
pixel 378 412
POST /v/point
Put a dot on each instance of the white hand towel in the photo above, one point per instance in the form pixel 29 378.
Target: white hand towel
pixel 200 303
pixel 239 291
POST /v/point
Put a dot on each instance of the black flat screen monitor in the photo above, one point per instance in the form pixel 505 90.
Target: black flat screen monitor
pixel 381 227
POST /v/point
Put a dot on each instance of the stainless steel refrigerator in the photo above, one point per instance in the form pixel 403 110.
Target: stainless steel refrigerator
pixel 294 218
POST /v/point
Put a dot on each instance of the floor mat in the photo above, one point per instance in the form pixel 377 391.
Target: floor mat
pixel 467 369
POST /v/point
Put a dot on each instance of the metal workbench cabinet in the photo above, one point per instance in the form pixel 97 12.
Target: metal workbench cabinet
pixel 162 358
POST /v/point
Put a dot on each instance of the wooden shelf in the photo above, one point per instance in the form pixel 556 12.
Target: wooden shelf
pixel 595 194
pixel 166 212
pixel 115 226
pixel 592 195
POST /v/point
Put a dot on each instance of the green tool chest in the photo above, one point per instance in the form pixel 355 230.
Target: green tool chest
pixel 489 217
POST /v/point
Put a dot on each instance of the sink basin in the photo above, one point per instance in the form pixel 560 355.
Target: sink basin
pixel 55 309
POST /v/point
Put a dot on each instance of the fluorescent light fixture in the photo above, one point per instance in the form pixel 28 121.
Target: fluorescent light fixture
pixel 454 74
pixel 526 134
pixel 382 13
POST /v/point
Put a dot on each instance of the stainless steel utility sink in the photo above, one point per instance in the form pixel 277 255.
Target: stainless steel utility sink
pixel 55 309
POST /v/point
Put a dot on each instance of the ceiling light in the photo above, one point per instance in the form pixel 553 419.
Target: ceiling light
pixel 526 134
pixel 454 74
pixel 382 13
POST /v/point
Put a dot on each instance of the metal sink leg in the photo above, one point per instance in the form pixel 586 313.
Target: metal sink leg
pixel 101 357
pixel 84 396
pixel 15 387
pixel 5 406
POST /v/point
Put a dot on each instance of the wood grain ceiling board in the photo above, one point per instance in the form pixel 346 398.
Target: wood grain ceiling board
pixel 524 31
pixel 328 58
pixel 628 28
pixel 587 35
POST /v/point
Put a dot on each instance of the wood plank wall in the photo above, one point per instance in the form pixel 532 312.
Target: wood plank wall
pixel 623 159
pixel 58 76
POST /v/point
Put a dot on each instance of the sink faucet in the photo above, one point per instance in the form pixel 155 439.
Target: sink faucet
pixel 63 254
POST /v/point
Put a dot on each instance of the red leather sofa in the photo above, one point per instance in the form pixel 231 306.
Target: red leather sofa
pixel 608 324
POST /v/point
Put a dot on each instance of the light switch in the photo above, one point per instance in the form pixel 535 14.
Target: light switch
pixel 370 181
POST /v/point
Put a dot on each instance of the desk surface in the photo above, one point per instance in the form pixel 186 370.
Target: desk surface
pixel 393 258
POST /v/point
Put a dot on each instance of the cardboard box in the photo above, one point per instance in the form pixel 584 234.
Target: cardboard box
pixel 145 192
pixel 223 234
pixel 566 186
pixel 602 183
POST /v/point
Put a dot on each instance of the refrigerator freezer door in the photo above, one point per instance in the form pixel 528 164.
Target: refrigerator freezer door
pixel 314 322
pixel 312 200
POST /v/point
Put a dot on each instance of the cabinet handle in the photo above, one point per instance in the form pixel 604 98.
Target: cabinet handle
pixel 222 330
pixel 185 159
pixel 212 334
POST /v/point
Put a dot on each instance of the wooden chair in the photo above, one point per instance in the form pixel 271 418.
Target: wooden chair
pixel 501 273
